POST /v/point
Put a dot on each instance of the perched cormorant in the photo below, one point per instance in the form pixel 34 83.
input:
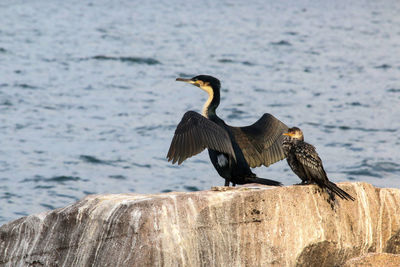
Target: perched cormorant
pixel 232 150
pixel 306 164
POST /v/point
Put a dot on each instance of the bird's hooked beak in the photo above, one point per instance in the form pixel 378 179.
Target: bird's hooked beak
pixel 297 134
pixel 291 134
pixel 187 81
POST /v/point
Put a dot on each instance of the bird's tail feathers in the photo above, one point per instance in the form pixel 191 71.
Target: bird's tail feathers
pixel 341 193
pixel 263 181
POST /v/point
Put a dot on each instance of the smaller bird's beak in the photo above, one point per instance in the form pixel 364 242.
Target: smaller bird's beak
pixel 184 80
pixel 288 134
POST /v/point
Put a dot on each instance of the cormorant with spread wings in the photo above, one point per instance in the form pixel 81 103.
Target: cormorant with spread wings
pixel 232 150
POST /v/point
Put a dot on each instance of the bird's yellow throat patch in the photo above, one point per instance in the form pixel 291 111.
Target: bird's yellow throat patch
pixel 210 92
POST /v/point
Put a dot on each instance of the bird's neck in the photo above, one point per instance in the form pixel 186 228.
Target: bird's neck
pixel 296 141
pixel 288 143
pixel 212 103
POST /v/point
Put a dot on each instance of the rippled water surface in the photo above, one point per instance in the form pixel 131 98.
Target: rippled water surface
pixel 89 102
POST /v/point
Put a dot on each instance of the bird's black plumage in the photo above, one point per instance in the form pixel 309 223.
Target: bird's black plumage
pixel 196 133
pixel 303 159
pixel 232 150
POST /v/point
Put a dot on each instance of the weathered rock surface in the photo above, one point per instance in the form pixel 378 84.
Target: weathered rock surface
pixel 375 259
pixel 286 226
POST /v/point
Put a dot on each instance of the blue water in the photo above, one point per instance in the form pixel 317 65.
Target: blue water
pixel 89 102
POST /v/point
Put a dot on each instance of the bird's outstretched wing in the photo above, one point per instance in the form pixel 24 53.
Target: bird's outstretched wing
pixel 261 142
pixel 195 133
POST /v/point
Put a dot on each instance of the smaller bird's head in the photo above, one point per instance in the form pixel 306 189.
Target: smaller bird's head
pixel 295 133
pixel 205 82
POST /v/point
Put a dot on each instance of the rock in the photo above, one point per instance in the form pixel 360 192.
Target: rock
pixel 244 226
pixel 393 244
pixel 375 259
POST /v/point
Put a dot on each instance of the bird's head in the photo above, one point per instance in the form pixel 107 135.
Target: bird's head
pixel 295 133
pixel 208 83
